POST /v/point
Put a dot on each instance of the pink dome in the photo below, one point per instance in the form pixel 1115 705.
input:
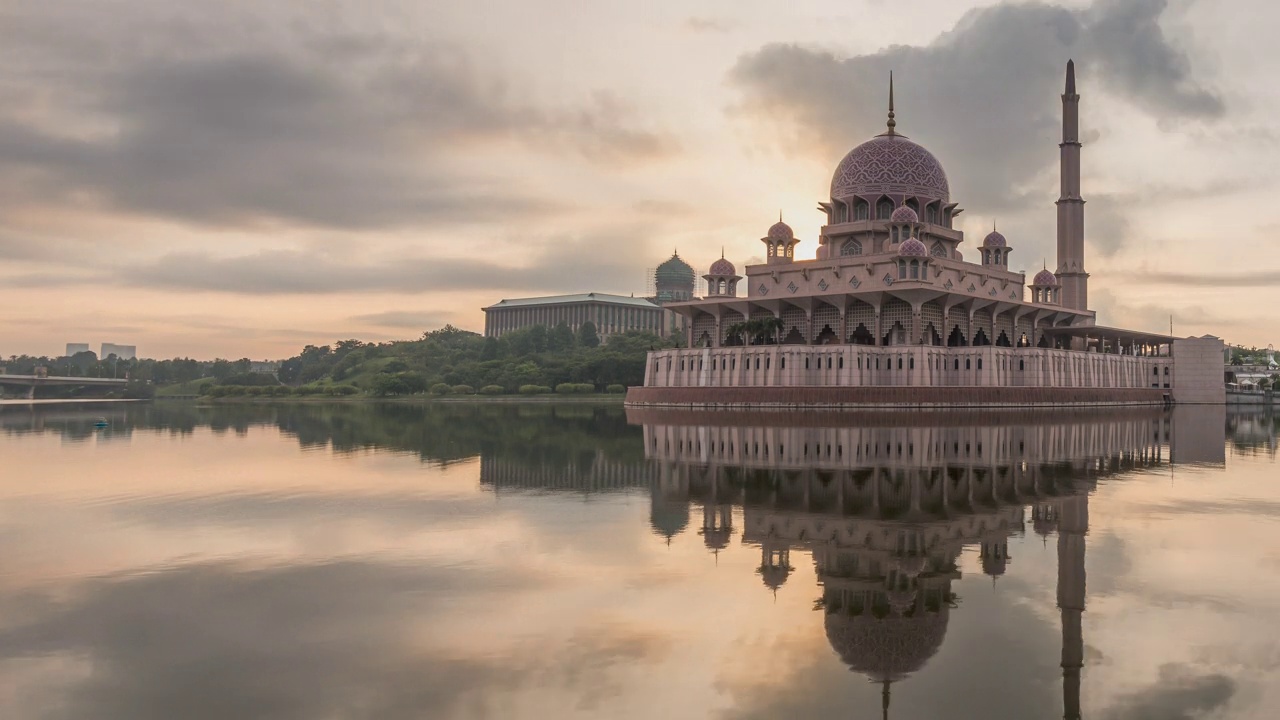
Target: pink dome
pixel 781 231
pixel 994 240
pixel 1044 278
pixel 913 248
pixel 904 214
pixel 890 165
pixel 722 267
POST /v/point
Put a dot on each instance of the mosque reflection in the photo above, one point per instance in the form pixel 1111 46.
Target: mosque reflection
pixel 885 504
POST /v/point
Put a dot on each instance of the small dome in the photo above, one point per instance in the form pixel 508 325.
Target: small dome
pixel 1044 278
pixel 722 267
pixel 994 240
pixel 675 271
pixel 774 576
pixel 913 248
pixel 781 231
pixel 904 214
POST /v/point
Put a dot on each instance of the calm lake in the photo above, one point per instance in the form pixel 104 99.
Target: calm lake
pixel 326 562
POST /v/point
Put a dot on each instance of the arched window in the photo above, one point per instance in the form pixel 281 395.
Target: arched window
pixel 893 234
pixel 884 209
pixel 851 247
pixel 914 205
pixel 842 213
pixel 931 214
pixel 915 269
pixel 938 250
pixel 861 211
pixel 902 269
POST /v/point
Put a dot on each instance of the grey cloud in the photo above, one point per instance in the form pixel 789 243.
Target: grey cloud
pixel 332 640
pixel 325 127
pixel 1179 694
pixel 558 262
pixel 983 96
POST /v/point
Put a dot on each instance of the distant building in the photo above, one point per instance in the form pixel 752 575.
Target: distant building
pixel 74 349
pixel 264 367
pixel 674 281
pixel 611 314
pixel 122 352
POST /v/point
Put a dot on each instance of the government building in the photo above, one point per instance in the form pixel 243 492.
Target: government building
pixel 672 281
pixel 890 312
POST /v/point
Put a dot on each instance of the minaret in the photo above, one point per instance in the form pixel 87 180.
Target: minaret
pixel 1073 525
pixel 1071 274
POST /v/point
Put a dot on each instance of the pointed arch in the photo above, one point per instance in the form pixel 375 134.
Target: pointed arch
pixel 851 247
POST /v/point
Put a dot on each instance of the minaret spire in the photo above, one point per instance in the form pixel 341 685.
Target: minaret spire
pixel 892 123
pixel 1070 271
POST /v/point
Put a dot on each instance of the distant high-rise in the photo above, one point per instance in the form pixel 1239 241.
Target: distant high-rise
pixel 122 352
pixel 74 349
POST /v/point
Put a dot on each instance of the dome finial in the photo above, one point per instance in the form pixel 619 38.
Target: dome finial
pixel 721 252
pixel 892 123
pixel 779 214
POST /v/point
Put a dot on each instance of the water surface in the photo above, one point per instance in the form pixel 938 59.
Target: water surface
pixel 535 561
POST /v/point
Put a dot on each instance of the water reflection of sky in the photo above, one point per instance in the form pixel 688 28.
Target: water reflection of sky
pixel 365 562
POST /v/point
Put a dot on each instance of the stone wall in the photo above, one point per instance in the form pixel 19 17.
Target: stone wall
pixel 789 397
pixel 1197 371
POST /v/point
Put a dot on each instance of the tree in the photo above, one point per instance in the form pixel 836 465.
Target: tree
pixel 587 335
pixel 560 338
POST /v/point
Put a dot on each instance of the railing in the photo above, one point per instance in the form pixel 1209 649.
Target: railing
pixel 903 366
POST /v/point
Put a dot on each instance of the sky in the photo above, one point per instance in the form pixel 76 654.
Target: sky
pixel 240 179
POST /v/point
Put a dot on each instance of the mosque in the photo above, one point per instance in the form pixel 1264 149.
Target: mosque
pixel 890 312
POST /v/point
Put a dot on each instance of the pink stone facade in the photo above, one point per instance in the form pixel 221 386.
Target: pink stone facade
pixel 889 302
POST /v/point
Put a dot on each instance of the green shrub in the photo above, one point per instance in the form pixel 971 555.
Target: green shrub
pixel 616 389
pixel 534 389
pixel 463 390
pixel 205 388
pixel 492 390
pixel 345 390
pixel 566 388
pixel 584 388
pixel 440 389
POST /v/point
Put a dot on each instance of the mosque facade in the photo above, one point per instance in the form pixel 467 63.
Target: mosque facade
pixel 891 312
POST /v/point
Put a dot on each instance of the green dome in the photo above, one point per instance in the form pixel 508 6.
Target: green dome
pixel 675 271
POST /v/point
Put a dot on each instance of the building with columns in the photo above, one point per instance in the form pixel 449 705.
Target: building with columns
pixel 671 282
pixel 611 314
pixel 891 302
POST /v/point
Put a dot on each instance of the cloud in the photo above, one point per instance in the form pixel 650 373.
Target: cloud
pixel 403 319
pixel 324 127
pixel 1248 279
pixel 703 25
pixel 329 640
pixel 1178 694
pixel 983 96
pixel 556 263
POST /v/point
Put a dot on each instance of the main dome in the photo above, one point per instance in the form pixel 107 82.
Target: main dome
pixel 890 165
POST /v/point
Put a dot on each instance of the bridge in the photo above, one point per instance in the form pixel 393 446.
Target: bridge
pixel 31 382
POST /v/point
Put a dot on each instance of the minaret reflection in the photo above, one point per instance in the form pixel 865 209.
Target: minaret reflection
pixel 887 508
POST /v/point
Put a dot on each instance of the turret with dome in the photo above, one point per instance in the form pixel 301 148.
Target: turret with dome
pixel 888 287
